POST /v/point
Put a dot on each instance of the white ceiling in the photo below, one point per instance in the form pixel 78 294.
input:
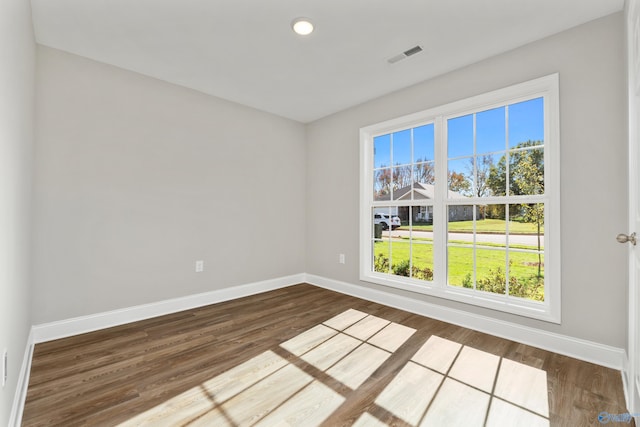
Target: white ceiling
pixel 245 51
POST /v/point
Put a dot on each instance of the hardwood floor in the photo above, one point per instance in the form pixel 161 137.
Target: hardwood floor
pixel 307 356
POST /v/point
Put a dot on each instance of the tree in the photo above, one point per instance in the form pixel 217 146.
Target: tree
pixel 483 169
pixel 382 183
pixel 401 176
pixel 530 180
pixel 458 182
pixel 497 180
pixel 387 179
pixel 526 177
pixel 424 172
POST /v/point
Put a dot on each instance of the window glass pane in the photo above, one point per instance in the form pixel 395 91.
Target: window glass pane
pixel 460 266
pixel 387 218
pixel 460 232
pixel 526 275
pixel 460 179
pixel 379 215
pixel 490 131
pixel 402 182
pixel 382 184
pixel 422 219
pixel 402 147
pixel 497 180
pixel 460 136
pixel 484 166
pixel 423 148
pixel 380 234
pixel 381 151
pixel 526 172
pixel 404 213
pixel 461 220
pixel 526 226
pixel 424 173
pixel 381 256
pixel 526 122
pixel 422 224
pixel 400 254
pixel 491 226
pixel 491 270
pixel 460 224
pixel 526 269
pixel 422 259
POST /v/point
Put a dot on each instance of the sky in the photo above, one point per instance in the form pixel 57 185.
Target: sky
pixel 525 122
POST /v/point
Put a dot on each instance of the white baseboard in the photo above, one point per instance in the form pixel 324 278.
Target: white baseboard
pixel 624 373
pixel 83 324
pixel 636 390
pixel 588 351
pixel 631 389
pixel 15 418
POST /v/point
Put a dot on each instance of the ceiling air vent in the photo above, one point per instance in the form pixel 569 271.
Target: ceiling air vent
pixel 407 53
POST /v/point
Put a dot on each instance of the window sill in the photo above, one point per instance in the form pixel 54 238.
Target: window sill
pixel 512 305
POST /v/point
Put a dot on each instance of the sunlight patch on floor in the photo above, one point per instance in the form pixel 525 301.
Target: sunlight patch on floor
pixel 437 354
pixel 517 417
pixel 331 351
pixel 358 366
pixel 310 407
pixel 368 420
pixel 446 383
pixel 513 376
pixel 304 342
pixel 345 319
pixel 410 392
pixel 457 404
pixel 392 337
pixel 308 378
pixel 366 328
pixel 476 368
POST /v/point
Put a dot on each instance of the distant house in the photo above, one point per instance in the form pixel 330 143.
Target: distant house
pixel 424 214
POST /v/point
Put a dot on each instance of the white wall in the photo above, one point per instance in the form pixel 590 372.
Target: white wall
pixel 136 179
pixel 590 60
pixel 17 68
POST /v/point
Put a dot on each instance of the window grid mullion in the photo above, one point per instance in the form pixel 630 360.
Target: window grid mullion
pixel 440 249
pixel 507 211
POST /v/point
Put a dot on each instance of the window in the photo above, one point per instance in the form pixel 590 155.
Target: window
pixel 462 201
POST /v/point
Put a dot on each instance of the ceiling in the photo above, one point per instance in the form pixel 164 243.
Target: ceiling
pixel 245 51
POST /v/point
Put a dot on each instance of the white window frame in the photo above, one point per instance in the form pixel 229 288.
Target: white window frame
pixel 549 310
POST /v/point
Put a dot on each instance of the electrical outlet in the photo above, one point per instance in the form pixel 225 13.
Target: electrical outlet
pixel 5 368
pixel 199 266
pixel 341 259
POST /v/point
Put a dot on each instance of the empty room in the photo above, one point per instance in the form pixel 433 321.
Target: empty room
pixel 303 213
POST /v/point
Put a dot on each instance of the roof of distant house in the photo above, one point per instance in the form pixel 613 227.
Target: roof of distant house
pixel 420 190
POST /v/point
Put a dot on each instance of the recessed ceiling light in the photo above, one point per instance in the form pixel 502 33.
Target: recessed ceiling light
pixel 302 26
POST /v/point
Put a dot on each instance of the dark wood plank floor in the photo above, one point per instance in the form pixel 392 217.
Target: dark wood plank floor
pixel 111 376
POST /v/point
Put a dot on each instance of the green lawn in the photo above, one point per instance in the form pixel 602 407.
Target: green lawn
pixel 464 242
pixel 523 267
pixel 484 226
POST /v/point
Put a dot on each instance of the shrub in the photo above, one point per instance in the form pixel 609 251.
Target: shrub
pixel 531 287
pixel 495 282
pixel 422 273
pixel 466 282
pixel 403 268
pixel 381 263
